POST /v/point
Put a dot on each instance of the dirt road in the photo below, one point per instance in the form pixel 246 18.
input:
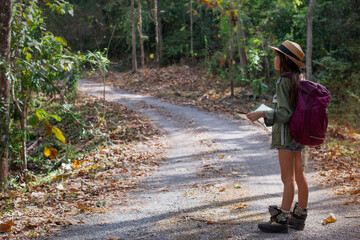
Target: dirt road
pixel 216 182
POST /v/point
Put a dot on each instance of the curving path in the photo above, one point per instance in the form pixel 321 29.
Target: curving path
pixel 216 182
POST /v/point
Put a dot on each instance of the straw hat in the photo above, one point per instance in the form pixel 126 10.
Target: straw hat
pixel 292 50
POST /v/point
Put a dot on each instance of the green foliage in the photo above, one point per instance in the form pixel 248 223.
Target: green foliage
pixel 43 115
pixel 42 64
pixel 336 31
pixel 178 39
pixel 259 87
pixel 61 7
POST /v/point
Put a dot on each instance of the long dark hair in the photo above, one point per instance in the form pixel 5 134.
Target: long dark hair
pixel 286 65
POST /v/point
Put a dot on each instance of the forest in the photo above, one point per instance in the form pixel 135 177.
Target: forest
pixel 209 34
pixel 209 54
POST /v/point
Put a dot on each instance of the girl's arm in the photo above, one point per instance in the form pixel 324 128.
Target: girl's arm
pixel 253 116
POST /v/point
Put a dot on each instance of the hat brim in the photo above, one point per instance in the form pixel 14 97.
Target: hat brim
pixel 297 62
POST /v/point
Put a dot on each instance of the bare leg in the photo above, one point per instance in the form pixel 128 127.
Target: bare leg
pixel 287 160
pixel 303 190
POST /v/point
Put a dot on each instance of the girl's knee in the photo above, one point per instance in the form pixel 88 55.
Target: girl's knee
pixel 288 179
pixel 300 180
pixel 300 176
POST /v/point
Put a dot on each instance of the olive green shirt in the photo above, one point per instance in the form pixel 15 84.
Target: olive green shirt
pixel 280 115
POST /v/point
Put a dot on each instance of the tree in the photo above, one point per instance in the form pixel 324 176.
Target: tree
pixel 5 37
pixel 241 47
pixel 133 37
pixel 157 31
pixel 140 27
pixel 231 66
pixel 160 30
pixel 191 33
pixel 309 40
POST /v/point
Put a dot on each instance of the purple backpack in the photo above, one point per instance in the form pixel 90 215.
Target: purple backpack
pixel 309 122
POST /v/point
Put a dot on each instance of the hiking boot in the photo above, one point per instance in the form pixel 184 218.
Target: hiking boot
pixel 298 217
pixel 279 221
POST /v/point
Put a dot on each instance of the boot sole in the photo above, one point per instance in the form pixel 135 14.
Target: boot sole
pixel 297 227
pixel 272 230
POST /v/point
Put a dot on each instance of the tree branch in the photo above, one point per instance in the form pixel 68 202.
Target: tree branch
pixel 15 100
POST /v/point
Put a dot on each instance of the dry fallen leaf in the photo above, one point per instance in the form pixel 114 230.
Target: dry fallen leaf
pixel 37 194
pixel 60 187
pixel 30 225
pixel 330 219
pixel 12 194
pixel 241 206
pixel 73 190
pixel 76 164
pixel 64 221
pixel 51 152
pixel 6 227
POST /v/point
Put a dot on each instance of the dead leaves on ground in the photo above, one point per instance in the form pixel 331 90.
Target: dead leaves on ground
pixel 338 162
pixel 122 125
pixel 90 184
pixel 6 227
pixel 185 86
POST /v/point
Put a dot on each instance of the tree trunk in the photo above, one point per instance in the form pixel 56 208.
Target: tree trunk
pixel 141 37
pixel 160 30
pixel 5 35
pixel 309 40
pixel 191 33
pixel 157 38
pixel 231 57
pixel 267 66
pixel 201 25
pixel 23 115
pixel 241 48
pixel 23 141
pixel 133 38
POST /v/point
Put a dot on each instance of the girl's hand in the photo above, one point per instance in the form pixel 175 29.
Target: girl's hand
pixel 253 116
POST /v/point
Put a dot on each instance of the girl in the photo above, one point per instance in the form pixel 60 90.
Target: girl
pixel 288 62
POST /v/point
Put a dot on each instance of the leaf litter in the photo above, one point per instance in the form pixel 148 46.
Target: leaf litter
pixel 338 163
pixel 96 180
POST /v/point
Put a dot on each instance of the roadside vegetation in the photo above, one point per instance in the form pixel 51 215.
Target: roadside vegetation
pixel 105 164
